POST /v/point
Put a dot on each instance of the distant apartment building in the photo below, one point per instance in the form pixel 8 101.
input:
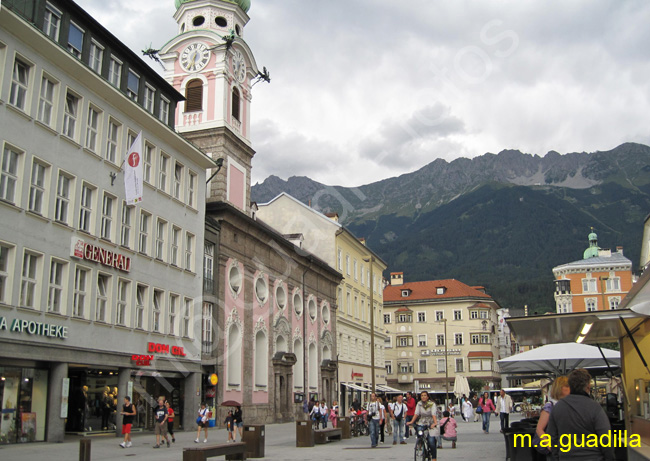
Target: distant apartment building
pixel 597 282
pixel 421 317
pixel 325 237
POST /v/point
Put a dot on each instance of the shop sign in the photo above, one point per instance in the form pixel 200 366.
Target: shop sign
pixel 165 349
pixel 442 352
pixel 34 328
pixel 356 375
pixel 82 250
pixel 142 360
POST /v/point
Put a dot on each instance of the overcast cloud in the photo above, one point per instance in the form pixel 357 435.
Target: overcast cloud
pixel 363 90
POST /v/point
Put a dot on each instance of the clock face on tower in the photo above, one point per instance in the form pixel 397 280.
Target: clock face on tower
pixel 195 57
pixel 239 66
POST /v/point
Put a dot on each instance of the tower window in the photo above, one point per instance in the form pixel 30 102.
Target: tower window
pixel 198 21
pixel 221 21
pixel 237 30
pixel 235 103
pixel 194 96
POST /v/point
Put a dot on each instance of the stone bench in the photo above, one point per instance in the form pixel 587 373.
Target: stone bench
pixel 235 451
pixel 327 435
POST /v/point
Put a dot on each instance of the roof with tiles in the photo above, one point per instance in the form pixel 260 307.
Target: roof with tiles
pixel 429 290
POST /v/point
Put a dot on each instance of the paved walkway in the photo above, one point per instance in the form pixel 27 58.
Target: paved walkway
pixel 280 445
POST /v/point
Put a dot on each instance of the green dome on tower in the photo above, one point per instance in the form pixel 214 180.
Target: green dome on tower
pixel 593 250
pixel 243 4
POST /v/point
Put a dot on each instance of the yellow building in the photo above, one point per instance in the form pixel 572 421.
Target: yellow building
pixel 421 317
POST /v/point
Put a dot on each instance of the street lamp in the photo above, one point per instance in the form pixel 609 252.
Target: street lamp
pixel 444 322
pixel 372 323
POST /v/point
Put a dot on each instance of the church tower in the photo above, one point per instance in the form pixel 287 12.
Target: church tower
pixel 212 66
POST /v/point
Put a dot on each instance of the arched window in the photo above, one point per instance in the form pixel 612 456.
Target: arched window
pixel 261 360
pixel 298 368
pixel 235 104
pixel 313 367
pixel 194 96
pixel 234 357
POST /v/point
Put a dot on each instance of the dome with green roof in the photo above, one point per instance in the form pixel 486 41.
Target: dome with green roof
pixel 243 4
pixel 593 250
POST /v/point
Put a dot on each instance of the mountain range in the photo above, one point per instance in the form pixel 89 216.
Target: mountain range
pixel 502 221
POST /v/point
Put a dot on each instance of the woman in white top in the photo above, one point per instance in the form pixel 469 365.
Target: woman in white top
pixel 324 413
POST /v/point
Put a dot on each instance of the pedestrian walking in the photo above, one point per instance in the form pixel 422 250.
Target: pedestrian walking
pixel 474 401
pixel 374 419
pixel 334 414
pixel 382 423
pixel 230 427
pixel 239 422
pixel 202 422
pixel 468 411
pixel 410 411
pixel 128 412
pixel 398 413
pixel 315 415
pixel 170 420
pixel 504 407
pixel 324 413
pixel 160 417
pixel 486 405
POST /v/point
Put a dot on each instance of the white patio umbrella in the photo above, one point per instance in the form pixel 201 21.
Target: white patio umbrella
pixel 461 386
pixel 559 359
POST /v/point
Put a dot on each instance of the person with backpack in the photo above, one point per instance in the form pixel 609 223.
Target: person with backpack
pixel 448 426
pixel 398 413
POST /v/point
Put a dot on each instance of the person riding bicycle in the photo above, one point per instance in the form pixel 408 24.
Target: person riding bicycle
pixel 425 413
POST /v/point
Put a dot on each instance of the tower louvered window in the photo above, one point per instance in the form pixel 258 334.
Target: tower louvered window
pixel 194 96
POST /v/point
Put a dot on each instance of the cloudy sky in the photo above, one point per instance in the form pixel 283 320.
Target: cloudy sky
pixel 363 90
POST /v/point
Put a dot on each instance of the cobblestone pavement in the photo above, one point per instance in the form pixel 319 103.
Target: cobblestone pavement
pixel 280 445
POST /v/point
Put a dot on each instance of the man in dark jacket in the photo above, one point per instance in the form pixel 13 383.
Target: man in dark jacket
pixel 577 421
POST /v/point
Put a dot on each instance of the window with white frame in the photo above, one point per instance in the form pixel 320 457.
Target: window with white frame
pixel 440 315
pixel 614 302
pixel 107 217
pixel 62 198
pixel 52 22
pixel 70 115
pixel 458 339
pixel 460 366
pixel 173 311
pixel 458 315
pixel 406 368
pixel 178 180
pixel 348 303
pixel 388 342
pixel 149 95
pixel 440 340
pixel 206 328
pixel 354 267
pixel 163 114
pixel 46 101
pixel 187 312
pixel 422 366
pixel 589 285
pixel 347 264
pixel 92 128
pixel 189 252
pixel 146 164
pixel 404 341
pixel 613 284
pixel 475 338
pixel 133 85
pixel 208 267
pixel 474 364
pixel 422 317
pixel 191 187
pixel 440 365
pixel 4 272
pixel 55 288
pixel 484 314
pixel 86 208
pixel 175 240
pixel 96 57
pixel 486 364
pixel 143 240
pixel 37 187
pixel 75 40
pixel 162 171
pixel 362 275
pixel 473 314
pixel 29 280
pixel 9 174
pixel 112 140
pixel 79 296
pixel 125 232
pixel 103 288
pixel 387 318
pixel 115 72
pixel 422 340
pixel 339 259
pixel 122 299
pixel 485 339
pixel 161 230
pixel 140 303
pixel 157 309
pixel 19 84
pixel 389 367
pixel 356 306
pixel 591 304
pixel 404 317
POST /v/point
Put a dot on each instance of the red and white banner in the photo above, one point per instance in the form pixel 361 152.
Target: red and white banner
pixel 133 172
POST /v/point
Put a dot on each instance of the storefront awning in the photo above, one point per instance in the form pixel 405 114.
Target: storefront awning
pixel 355 387
pixel 480 354
pixel 385 388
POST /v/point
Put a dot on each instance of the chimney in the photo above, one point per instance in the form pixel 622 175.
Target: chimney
pixel 619 250
pixel 333 216
pixel 396 279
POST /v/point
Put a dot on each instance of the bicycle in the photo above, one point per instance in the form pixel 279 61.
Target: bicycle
pixel 421 451
pixel 359 426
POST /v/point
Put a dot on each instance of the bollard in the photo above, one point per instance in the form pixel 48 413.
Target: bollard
pixel 84 449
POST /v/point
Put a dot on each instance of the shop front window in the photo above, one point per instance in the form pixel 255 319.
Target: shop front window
pixel 23 403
